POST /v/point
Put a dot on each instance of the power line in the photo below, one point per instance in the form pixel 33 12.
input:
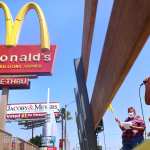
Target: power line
pixel 142 110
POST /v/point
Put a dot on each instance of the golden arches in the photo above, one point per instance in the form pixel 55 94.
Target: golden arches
pixel 13 28
pixel 9 24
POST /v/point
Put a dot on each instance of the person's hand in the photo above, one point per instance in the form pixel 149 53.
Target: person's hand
pixel 117 120
pixel 146 80
pixel 119 124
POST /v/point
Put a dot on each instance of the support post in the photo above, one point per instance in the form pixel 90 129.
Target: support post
pixel 32 130
pixel 3 107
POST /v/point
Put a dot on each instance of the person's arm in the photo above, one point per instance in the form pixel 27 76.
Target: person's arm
pixel 119 124
pixel 137 128
pixel 121 127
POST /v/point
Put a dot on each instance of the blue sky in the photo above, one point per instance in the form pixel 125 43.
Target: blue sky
pixel 65 23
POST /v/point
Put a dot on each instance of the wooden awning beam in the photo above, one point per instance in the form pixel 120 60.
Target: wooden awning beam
pixel 127 32
pixel 88 29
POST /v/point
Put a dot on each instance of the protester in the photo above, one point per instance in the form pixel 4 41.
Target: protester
pixel 133 129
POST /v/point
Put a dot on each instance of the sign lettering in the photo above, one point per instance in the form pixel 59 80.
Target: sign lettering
pixel 15 83
pixel 26 59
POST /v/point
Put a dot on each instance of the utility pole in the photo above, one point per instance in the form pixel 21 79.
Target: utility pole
pixel 65 127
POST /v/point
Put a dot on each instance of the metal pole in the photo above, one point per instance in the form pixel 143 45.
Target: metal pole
pixel 65 126
pixel 62 132
pixel 32 129
pixel 32 132
pixel 3 107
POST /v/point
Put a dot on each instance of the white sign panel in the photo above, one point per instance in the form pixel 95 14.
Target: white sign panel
pixel 31 110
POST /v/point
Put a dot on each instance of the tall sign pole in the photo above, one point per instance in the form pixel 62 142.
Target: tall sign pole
pixel 3 107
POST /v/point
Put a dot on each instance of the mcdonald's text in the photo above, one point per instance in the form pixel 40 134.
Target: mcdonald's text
pixel 26 59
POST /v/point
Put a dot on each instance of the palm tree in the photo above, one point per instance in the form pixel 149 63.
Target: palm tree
pixel 65 116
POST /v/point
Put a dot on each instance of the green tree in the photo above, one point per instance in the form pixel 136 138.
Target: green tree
pixel 37 140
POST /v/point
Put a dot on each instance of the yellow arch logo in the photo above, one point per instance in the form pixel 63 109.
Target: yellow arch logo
pixel 13 28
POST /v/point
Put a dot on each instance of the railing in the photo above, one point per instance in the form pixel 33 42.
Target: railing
pixel 20 144
pixel 7 142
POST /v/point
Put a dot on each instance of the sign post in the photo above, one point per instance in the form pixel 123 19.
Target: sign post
pixel 3 107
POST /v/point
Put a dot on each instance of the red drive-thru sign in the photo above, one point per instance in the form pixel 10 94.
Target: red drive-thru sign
pixel 26 59
pixel 15 83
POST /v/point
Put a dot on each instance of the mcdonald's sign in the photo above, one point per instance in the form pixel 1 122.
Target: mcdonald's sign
pixel 25 59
